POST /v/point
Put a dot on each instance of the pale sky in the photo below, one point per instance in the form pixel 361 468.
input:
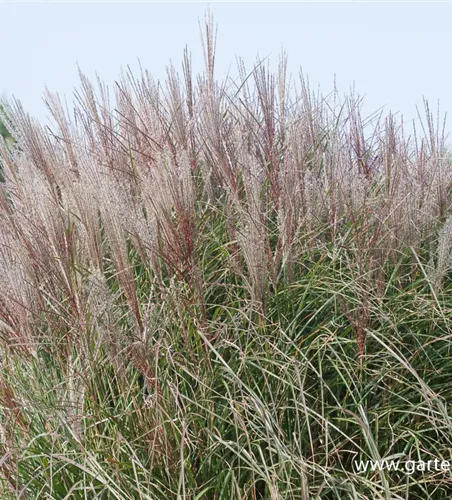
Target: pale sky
pixel 394 53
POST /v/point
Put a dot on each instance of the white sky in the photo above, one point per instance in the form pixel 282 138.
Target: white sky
pixel 395 53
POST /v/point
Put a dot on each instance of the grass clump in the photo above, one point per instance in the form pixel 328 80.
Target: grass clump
pixel 211 291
